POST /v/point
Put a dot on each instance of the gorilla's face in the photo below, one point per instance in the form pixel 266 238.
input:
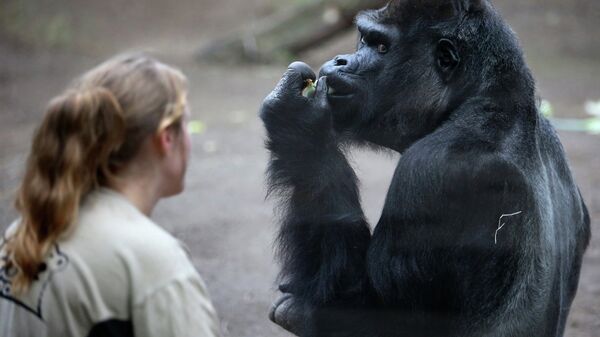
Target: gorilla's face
pixel 397 82
pixel 357 81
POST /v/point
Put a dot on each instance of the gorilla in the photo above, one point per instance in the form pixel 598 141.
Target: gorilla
pixel 483 228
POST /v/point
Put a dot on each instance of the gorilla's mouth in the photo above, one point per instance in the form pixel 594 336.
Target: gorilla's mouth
pixel 339 87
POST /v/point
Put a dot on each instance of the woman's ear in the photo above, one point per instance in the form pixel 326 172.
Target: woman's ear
pixel 165 141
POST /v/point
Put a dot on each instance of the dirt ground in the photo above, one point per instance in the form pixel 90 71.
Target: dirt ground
pixel 223 216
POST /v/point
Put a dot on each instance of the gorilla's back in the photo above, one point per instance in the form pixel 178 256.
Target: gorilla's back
pixel 564 220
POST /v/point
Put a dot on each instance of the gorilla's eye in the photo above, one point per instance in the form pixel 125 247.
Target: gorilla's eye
pixel 362 40
pixel 382 49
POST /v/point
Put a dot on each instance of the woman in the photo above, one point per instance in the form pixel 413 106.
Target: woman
pixel 84 259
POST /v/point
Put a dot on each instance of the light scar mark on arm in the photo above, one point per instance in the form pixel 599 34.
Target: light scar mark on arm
pixel 503 223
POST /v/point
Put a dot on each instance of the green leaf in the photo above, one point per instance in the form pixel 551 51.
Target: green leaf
pixel 546 108
pixel 196 127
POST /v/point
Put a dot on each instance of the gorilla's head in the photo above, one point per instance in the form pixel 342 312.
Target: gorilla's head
pixel 419 61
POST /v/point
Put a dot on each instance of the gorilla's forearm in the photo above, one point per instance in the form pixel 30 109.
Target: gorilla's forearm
pixel 324 237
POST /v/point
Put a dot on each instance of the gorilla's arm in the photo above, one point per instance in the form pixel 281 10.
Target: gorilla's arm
pixel 324 237
pixel 455 225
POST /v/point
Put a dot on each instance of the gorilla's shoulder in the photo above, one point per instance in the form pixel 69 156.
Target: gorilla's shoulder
pixel 467 170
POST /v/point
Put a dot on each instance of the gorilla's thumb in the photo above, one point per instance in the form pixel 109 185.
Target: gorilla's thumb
pixel 296 75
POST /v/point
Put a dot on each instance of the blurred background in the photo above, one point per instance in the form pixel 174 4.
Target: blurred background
pixel 233 52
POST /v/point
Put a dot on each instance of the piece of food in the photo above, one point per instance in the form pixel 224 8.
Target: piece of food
pixel 309 89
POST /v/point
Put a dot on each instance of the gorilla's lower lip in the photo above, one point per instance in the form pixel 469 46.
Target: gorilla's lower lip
pixel 337 87
pixel 340 96
pixel 331 91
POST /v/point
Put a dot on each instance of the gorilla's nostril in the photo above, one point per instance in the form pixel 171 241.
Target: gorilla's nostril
pixel 340 61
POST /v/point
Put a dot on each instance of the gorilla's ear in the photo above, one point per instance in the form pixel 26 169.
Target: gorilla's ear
pixel 447 58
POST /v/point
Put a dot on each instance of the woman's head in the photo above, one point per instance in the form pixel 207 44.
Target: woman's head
pixel 151 96
pixel 152 100
pixel 127 108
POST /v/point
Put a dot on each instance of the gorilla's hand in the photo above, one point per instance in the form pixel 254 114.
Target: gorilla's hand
pixel 290 117
pixel 286 313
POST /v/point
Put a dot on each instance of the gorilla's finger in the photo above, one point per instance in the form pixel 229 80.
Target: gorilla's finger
pixel 320 97
pixel 290 84
pixel 304 69
pixel 285 288
pixel 276 305
pixel 321 89
pixel 287 315
pixel 294 79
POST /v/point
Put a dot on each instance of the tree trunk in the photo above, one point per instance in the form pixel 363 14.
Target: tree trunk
pixel 281 36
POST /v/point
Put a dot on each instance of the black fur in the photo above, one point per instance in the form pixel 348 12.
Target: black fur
pixel 449 89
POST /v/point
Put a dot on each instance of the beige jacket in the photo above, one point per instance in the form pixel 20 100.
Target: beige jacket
pixel 116 274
